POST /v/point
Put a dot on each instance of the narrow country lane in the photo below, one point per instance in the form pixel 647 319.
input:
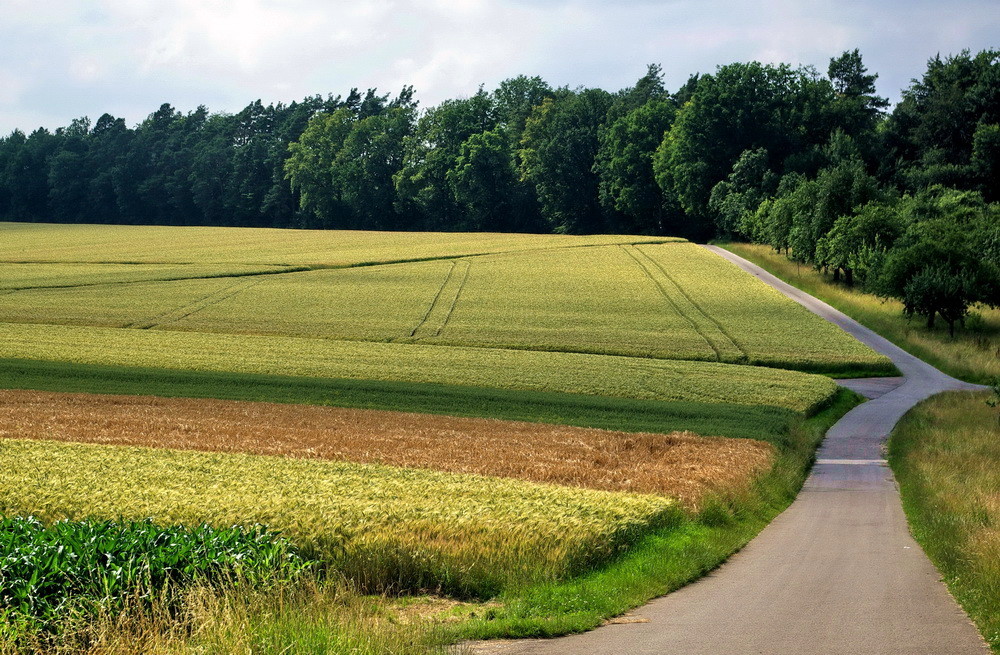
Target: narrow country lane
pixel 836 573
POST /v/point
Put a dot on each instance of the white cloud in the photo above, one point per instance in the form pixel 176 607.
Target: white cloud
pixel 64 58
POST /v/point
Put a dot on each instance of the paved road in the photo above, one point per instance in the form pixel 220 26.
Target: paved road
pixel 836 573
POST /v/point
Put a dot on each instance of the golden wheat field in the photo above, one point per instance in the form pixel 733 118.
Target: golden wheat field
pixel 382 526
pixel 683 466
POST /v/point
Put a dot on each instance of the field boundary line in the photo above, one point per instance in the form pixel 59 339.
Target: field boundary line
pixel 691 300
pixel 208 300
pixel 445 300
pixel 628 250
pixel 220 276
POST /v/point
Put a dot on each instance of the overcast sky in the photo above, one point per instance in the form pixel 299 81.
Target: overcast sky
pixel 61 59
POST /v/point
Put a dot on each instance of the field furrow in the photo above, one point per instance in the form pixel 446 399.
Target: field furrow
pixel 180 313
pixel 724 348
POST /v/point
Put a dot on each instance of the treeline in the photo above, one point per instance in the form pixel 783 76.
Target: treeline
pixel 812 164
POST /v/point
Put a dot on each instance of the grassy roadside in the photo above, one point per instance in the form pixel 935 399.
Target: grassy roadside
pixel 945 454
pixel 973 355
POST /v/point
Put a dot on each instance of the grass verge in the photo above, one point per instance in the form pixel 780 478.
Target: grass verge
pixel 665 559
pixel 972 355
pixel 946 456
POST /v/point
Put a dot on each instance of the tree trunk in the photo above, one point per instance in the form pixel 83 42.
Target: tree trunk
pixel 836 274
pixel 930 320
pixel 849 276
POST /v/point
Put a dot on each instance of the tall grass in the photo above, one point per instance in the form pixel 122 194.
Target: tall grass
pixel 301 617
pixel 972 355
pixel 946 456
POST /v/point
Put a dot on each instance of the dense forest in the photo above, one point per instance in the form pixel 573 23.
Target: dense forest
pixel 904 202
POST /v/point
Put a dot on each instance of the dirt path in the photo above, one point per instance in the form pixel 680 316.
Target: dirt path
pixel 836 573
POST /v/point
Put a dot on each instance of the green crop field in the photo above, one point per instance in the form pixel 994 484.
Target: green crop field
pixel 597 375
pixel 653 300
pixel 158 245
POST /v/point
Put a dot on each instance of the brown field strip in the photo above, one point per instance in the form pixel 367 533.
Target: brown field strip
pixel 680 465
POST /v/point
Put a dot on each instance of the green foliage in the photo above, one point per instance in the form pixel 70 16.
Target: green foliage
pixel 857 242
pixel 430 152
pixel 736 199
pixel 582 157
pixel 932 131
pixel 624 165
pixel 485 183
pixel 857 106
pixel 557 155
pixel 48 570
pixel 937 267
pixel 742 107
pixel 309 167
pixel 986 159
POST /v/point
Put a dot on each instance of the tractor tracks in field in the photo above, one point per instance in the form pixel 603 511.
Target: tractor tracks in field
pixel 726 348
pixel 184 311
pixel 438 314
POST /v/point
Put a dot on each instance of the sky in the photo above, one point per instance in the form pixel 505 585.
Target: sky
pixel 62 59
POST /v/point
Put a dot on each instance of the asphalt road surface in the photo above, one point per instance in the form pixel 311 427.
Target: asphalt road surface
pixel 836 573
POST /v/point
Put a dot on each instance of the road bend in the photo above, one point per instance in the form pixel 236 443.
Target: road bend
pixel 836 573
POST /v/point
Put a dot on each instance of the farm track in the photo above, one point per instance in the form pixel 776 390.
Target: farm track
pixel 443 305
pixel 838 572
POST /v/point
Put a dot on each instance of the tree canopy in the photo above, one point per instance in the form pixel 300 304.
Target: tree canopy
pixel 815 165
